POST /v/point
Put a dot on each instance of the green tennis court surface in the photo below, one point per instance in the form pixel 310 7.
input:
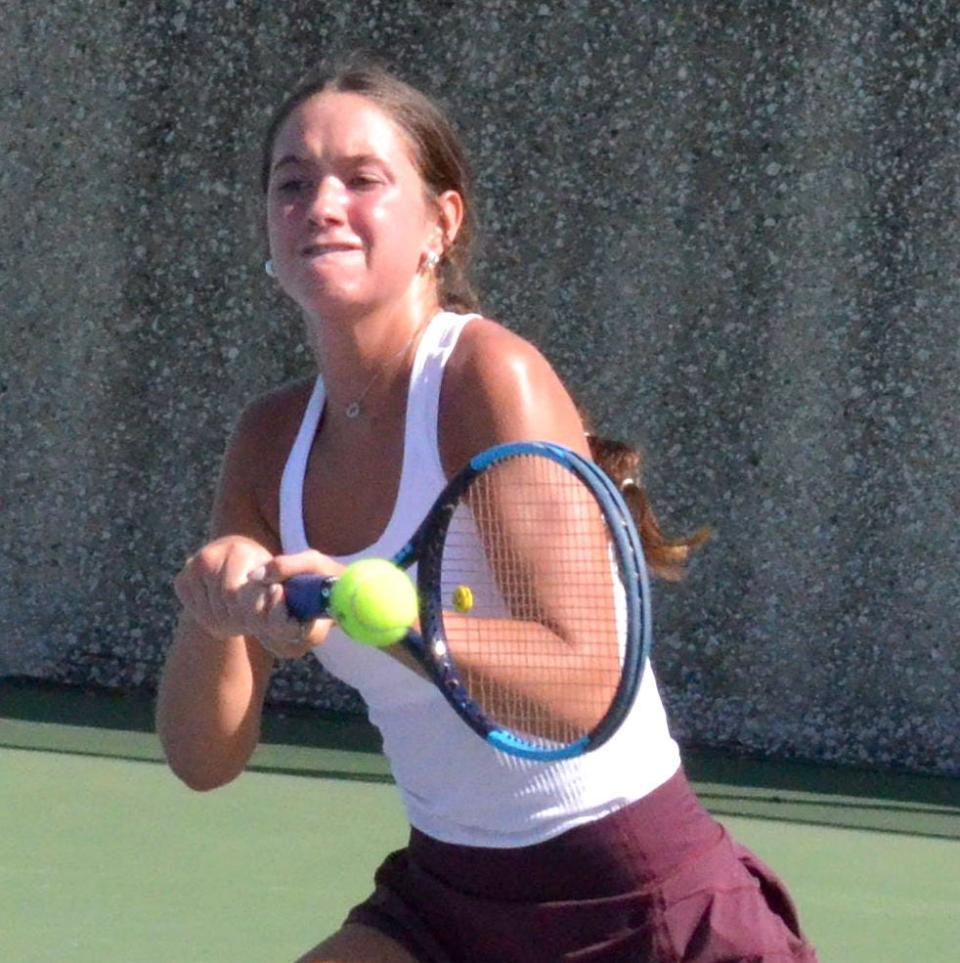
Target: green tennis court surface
pixel 105 857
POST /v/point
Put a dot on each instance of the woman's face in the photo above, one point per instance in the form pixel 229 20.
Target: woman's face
pixel 348 217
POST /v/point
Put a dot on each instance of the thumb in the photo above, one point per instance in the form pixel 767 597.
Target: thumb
pixel 282 567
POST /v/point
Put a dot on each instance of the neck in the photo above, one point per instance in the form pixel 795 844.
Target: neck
pixel 364 362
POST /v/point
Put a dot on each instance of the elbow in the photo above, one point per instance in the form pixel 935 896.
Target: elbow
pixel 198 770
pixel 199 780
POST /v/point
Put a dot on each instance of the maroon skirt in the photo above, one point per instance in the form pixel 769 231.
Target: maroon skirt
pixel 659 880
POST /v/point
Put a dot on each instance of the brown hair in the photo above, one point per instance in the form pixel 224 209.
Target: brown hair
pixel 437 152
pixel 666 558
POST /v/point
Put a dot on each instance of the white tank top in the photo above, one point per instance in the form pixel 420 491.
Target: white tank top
pixel 455 786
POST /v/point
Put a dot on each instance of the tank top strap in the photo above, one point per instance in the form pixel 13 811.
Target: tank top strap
pixel 422 473
pixel 293 535
pixel 421 454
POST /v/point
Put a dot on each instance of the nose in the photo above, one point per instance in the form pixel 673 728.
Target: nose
pixel 328 202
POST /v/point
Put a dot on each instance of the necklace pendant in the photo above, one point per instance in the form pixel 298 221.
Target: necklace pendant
pixel 352 410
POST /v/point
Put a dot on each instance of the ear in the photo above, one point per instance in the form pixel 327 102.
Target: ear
pixel 449 216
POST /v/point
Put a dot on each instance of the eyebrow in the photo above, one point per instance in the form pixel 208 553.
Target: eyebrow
pixel 287 159
pixel 355 160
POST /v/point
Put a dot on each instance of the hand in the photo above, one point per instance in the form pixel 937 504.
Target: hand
pixel 272 576
pixel 232 586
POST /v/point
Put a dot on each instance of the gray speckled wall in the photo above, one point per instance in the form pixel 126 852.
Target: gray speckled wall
pixel 732 226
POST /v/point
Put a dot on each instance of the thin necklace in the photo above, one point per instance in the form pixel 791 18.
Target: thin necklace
pixel 355 408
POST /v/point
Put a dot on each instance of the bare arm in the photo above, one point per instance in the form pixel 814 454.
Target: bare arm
pixel 216 671
pixel 498 388
pixel 208 710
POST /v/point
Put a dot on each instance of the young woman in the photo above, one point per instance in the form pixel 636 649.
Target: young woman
pixel 605 858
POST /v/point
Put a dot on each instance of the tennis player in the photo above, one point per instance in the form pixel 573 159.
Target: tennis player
pixel 607 857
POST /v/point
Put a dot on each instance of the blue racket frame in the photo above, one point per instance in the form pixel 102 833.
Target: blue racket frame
pixel 308 597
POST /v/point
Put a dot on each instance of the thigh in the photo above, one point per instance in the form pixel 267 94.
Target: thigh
pixel 358 944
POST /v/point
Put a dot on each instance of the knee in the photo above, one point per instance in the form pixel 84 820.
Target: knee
pixel 358 944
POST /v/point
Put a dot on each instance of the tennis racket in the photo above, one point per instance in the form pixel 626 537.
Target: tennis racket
pixel 533 600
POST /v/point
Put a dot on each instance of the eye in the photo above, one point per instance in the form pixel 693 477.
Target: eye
pixel 292 185
pixel 365 180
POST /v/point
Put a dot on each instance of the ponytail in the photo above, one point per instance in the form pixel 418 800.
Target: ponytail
pixel 666 558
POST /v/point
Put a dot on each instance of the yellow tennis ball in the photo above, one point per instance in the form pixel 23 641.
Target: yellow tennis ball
pixel 462 599
pixel 374 602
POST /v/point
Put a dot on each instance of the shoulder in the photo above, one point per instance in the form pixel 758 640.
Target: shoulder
pixel 485 344
pixel 247 493
pixel 493 366
pixel 275 410
pixel 498 387
pixel 268 425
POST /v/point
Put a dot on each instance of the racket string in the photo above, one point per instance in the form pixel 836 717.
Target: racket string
pixel 540 649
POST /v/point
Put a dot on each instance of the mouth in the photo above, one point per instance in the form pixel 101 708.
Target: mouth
pixel 323 248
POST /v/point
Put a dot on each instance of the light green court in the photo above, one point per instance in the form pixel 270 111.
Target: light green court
pixel 105 857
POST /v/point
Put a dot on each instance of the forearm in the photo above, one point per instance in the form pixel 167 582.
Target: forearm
pixel 556 683
pixel 209 705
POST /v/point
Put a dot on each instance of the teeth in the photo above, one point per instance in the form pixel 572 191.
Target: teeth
pixel 328 249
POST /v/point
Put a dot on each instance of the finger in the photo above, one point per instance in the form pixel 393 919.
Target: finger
pixel 310 562
pixel 195 588
pixel 300 637
pixel 222 621
pixel 315 633
pixel 249 606
pixel 211 583
pixel 284 637
pixel 183 588
pixel 245 598
pixel 285 650
pixel 238 568
pixel 192 594
pixel 192 602
pixel 187 584
pixel 277 619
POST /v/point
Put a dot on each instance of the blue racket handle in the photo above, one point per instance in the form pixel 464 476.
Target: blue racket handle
pixel 308 596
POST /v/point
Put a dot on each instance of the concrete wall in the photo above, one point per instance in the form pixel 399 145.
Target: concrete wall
pixel 731 225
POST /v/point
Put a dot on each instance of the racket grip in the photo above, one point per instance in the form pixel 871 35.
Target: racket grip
pixel 308 596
